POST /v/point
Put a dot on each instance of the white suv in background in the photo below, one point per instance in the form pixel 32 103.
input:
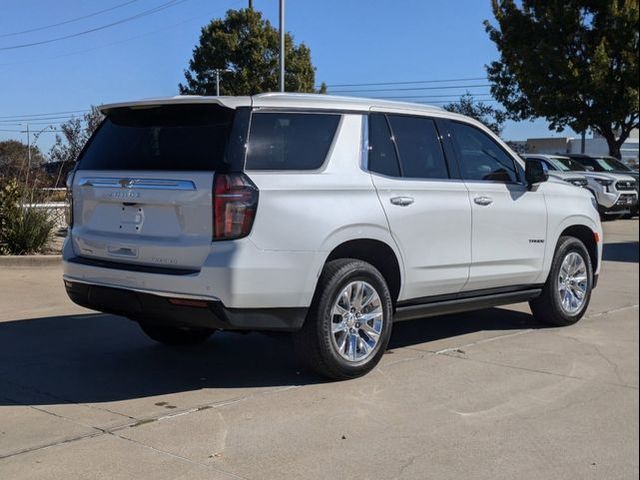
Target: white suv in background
pixel 558 170
pixel 328 217
pixel 616 193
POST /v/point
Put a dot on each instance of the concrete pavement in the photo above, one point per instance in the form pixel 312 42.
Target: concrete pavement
pixel 488 394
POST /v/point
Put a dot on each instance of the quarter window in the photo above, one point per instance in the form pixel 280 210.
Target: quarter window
pixel 481 158
pixel 382 152
pixel 290 141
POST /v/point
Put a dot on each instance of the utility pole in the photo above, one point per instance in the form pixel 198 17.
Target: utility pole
pixel 217 82
pixel 281 79
pixel 250 4
pixel 28 155
pixel 28 146
pixel 217 72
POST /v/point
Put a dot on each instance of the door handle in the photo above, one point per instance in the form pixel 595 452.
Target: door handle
pixel 484 201
pixel 402 201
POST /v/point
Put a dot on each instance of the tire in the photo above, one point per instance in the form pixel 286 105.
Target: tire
pixel 327 339
pixel 549 308
pixel 174 336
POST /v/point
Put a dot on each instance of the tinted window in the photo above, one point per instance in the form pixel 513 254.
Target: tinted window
pixel 480 156
pixel 170 137
pixel 543 163
pixel 382 153
pixel 290 141
pixel 610 164
pixel 550 166
pixel 419 147
pixel 568 164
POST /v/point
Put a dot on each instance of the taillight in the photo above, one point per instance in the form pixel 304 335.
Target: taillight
pixel 235 200
pixel 69 199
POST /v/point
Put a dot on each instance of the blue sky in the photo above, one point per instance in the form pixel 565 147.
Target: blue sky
pixel 352 41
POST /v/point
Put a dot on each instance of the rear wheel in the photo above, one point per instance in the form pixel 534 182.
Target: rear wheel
pixel 567 292
pixel 169 335
pixel 349 323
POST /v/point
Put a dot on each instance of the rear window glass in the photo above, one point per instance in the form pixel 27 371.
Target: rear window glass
pixel 170 137
pixel 290 141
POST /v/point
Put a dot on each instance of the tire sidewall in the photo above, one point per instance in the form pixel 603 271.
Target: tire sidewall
pixel 344 276
pixel 568 246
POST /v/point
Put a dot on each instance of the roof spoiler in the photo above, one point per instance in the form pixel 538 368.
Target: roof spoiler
pixel 228 102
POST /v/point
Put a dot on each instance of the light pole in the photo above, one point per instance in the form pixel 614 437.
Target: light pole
pixel 282 46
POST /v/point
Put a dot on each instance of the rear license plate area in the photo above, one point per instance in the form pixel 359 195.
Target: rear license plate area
pixel 131 219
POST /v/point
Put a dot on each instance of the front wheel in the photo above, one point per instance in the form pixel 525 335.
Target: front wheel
pixel 169 335
pixel 567 292
pixel 349 323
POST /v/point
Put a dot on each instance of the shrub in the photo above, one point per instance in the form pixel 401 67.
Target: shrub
pixel 23 228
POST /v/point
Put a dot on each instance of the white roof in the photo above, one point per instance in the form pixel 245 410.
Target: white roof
pixel 283 100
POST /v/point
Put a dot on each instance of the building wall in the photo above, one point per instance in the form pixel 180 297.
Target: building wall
pixel 593 146
pixel 548 145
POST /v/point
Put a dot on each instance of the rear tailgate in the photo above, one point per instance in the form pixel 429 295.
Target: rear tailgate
pixel 151 218
pixel 142 191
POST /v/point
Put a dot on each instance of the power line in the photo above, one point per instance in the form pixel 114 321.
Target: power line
pixel 145 13
pixel 41 119
pixel 448 87
pixel 68 21
pixel 34 115
pixel 474 95
pixel 468 79
pixel 24 131
pixel 452 101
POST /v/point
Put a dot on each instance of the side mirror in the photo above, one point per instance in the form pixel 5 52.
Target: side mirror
pixel 535 172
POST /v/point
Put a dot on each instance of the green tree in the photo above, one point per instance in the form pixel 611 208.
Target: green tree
pixel 245 47
pixel 483 112
pixel 67 147
pixel 14 159
pixel 574 62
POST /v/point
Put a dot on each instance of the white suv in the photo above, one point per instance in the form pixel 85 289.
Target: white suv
pixel 329 217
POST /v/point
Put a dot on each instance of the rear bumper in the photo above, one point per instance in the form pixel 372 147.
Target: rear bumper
pixel 163 311
pixel 236 273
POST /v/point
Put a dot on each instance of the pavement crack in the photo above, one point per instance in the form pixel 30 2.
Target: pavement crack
pixel 484 340
pixel 535 370
pixel 613 310
pixel 52 444
pixel 179 457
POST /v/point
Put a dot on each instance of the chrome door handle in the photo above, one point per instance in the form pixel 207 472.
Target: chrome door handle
pixel 402 201
pixel 484 201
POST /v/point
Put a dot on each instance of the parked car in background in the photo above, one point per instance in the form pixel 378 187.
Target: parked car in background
pixel 615 193
pixel 610 165
pixel 328 217
pixel 558 170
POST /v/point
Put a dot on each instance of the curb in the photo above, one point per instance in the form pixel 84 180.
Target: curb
pixel 30 260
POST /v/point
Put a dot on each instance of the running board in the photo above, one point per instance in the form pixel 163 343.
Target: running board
pixel 432 309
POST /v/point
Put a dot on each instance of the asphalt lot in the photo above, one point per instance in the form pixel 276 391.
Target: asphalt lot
pixel 484 395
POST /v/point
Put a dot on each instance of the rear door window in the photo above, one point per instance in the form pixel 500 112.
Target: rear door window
pixel 419 147
pixel 290 141
pixel 168 137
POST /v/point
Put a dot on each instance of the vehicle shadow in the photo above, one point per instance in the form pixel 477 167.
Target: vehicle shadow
pixel 101 358
pixel 621 252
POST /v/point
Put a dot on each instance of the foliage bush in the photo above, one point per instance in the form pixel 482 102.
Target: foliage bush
pixel 23 228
